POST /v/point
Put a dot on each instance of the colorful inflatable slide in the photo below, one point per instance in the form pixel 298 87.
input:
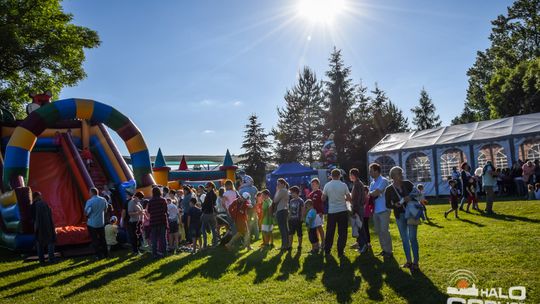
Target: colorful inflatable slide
pixel 43 153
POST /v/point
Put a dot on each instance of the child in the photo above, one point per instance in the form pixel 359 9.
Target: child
pixel 454 198
pixel 316 197
pixel 238 211
pixel 313 222
pixel 296 208
pixel 368 212
pixel 537 191
pixel 471 195
pixel 174 234
pixel 422 200
pixel 111 234
pixel 531 195
pixel 194 223
pixel 267 219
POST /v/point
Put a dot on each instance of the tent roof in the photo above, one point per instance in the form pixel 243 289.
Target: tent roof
pixel 466 133
pixel 293 169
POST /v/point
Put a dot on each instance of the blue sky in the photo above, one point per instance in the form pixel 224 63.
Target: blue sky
pixel 189 73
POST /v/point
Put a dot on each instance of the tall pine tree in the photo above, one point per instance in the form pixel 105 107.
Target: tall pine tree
pixel 424 114
pixel 339 101
pixel 298 134
pixel 255 146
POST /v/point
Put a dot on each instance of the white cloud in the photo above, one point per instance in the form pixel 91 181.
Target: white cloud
pixel 237 103
pixel 207 102
pixel 209 131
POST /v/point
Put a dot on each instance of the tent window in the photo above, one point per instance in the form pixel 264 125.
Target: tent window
pixel 386 163
pixel 530 149
pixel 449 159
pixel 495 153
pixel 418 167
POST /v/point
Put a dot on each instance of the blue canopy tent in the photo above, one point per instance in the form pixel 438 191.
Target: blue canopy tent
pixel 295 174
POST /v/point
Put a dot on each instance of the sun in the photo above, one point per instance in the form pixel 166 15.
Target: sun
pixel 320 11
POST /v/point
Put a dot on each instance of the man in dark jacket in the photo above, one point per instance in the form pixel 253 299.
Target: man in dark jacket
pixel 43 228
pixel 157 210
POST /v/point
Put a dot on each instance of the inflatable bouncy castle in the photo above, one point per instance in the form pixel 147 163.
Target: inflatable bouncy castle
pixel 62 149
pixel 183 176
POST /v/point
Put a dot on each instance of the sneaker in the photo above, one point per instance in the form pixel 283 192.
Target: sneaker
pixel 445 215
pixel 355 246
pixel 382 253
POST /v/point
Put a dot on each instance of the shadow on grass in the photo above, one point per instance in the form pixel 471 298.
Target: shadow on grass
pixel 291 264
pixel 340 279
pixel 371 270
pixel 431 223
pixel 29 267
pixel 268 268
pixel 313 264
pixel 106 278
pixel 511 218
pixel 170 268
pixel 415 288
pixel 217 263
pixel 24 292
pixel 37 277
pixel 471 222
pixel 252 261
pixel 88 272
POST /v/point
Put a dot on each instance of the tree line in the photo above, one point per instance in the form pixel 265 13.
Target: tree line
pixel 504 81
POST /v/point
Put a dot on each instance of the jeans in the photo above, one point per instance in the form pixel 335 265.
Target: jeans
pixel 134 232
pixel 381 223
pixel 489 198
pixel 342 221
pixel 365 226
pixel 362 238
pixel 159 237
pixel 408 238
pixel 282 220
pixel 97 235
pixel 186 227
pixel 41 252
pixel 209 221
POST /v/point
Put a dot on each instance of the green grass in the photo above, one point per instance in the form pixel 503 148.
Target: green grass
pixel 502 251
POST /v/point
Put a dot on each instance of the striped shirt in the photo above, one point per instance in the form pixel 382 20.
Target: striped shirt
pixel 157 209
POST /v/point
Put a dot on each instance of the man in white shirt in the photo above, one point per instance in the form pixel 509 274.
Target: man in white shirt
pixel 337 194
pixel 381 215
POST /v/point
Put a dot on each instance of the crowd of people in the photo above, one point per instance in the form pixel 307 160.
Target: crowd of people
pixel 193 219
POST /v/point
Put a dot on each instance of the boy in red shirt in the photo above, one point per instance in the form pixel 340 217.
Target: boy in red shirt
pixel 238 211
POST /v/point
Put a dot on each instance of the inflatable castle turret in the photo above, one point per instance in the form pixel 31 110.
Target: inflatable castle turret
pixel 160 169
pixel 229 167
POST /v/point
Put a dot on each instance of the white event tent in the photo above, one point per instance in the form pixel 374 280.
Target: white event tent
pixel 428 156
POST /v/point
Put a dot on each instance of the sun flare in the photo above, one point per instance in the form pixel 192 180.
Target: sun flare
pixel 320 11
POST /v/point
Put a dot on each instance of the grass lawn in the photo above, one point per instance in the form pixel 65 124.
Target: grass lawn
pixel 503 251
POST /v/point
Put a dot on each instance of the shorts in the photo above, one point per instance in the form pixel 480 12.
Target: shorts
pixel 267 228
pixel 313 235
pixel 173 227
pixel 195 231
pixel 295 226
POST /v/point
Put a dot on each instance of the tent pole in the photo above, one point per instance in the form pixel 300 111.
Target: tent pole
pixel 471 161
pixel 436 171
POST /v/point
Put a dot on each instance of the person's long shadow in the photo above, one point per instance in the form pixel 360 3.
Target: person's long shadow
pixel 251 261
pixel 432 224
pixel 415 288
pixel 217 263
pixel 268 268
pixel 511 218
pixel 471 222
pixel 24 292
pixel 40 276
pixel 168 269
pixel 17 271
pixel 340 279
pixel 90 271
pixel 312 265
pixel 122 272
pixel 291 264
pixel 371 270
